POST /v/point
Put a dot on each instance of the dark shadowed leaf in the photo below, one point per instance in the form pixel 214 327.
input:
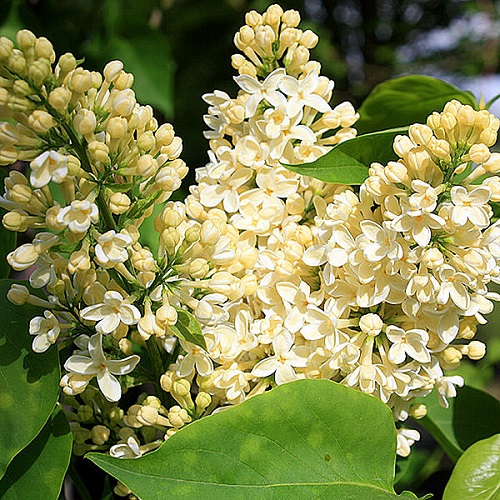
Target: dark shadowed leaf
pixel 479 407
pixel 38 471
pixel 29 382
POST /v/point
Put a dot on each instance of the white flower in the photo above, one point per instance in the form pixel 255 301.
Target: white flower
pixel 445 387
pixel 266 90
pixel 470 206
pixel 78 216
pixel 46 330
pixel 412 342
pixel 111 312
pixel 418 223
pixel 196 357
pixel 104 369
pixel 301 94
pixel 111 248
pixel 382 242
pixel 48 166
pixel 453 286
pixel 130 449
pixel 285 358
pixel 405 438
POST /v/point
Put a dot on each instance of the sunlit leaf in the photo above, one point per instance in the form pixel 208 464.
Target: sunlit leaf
pixel 409 99
pixel 477 473
pixel 349 161
pixel 306 439
pixel 187 328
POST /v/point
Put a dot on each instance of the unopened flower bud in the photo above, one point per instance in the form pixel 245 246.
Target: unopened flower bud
pixel 309 39
pixel 41 121
pixel 117 127
pixel 18 294
pixel 166 382
pixel 147 166
pixel 44 49
pixel 165 134
pixel 85 121
pixel 80 80
pixel 99 151
pixel 291 18
pixel 418 411
pixel 202 401
pixel 16 220
pixel 21 88
pixel 59 98
pixel 25 39
pixel 146 141
pixel 170 238
pixel 39 71
pixel 6 47
pixel 99 434
pixel 23 257
pixel 112 70
pixel 67 63
pixel 119 203
pixel 476 350
pixel 123 80
pixel 198 268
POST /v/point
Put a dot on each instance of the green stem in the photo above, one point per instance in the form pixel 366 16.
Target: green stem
pixel 157 366
pixel 491 101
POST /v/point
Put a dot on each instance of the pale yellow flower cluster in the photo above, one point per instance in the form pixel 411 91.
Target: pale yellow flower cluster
pixel 99 164
pixel 380 290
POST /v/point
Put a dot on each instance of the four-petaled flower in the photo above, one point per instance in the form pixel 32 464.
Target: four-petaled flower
pixel 111 312
pixel 104 369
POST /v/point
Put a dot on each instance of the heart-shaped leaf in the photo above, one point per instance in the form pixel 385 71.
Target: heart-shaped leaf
pixel 349 161
pixel 305 439
pixel 409 99
pixel 477 473
pixel 29 382
pixel 38 471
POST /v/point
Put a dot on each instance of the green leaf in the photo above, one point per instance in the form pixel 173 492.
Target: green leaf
pixel 349 161
pixel 187 328
pixel 477 473
pixel 305 439
pixel 38 471
pixel 409 469
pixel 29 382
pixel 474 405
pixel 439 422
pixel 409 99
pixel 147 57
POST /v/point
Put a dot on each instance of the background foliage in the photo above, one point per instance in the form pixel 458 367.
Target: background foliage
pixel 180 49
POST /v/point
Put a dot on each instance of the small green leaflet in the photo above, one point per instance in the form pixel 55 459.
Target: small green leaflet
pixel 349 161
pixel 187 328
